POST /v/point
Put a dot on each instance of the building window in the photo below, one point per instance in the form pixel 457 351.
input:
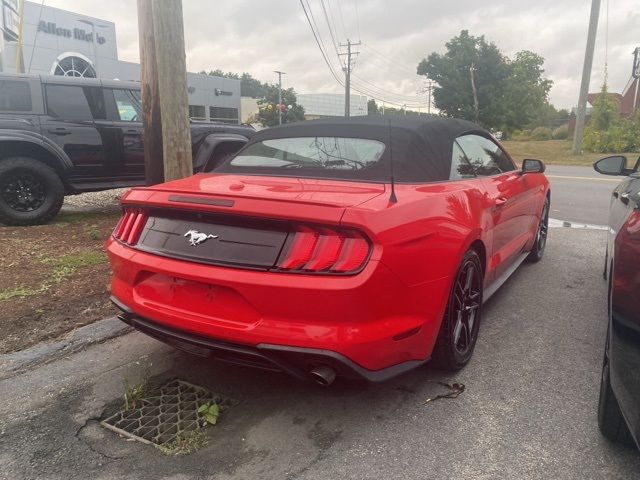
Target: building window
pixel 197 112
pixel 73 66
pixel 223 115
pixel 15 96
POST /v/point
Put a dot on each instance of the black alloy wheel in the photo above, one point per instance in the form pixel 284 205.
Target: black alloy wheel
pixel 459 331
pixel 31 192
pixel 23 191
pixel 537 251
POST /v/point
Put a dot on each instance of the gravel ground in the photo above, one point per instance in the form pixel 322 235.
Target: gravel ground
pixel 93 200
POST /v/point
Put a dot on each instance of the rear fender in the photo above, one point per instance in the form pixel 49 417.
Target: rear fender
pixel 25 143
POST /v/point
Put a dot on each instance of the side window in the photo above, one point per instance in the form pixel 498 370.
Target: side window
pixel 15 96
pixel 68 102
pixel 460 166
pixel 486 157
pixel 127 106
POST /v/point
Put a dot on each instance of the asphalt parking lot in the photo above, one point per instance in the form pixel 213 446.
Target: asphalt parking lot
pixel 528 412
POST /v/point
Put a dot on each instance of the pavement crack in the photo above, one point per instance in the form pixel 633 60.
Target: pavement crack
pixel 88 444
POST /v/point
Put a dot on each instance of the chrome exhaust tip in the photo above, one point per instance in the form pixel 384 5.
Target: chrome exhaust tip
pixel 323 375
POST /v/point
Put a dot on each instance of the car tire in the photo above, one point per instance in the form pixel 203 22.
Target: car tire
pixel 31 193
pixel 459 330
pixel 610 420
pixel 537 252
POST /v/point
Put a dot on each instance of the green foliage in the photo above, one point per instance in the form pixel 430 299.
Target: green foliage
pixel 608 132
pixel 209 413
pixel 541 134
pixel 561 133
pixel 372 107
pixel 268 113
pixel 134 393
pixel 520 135
pixel 510 92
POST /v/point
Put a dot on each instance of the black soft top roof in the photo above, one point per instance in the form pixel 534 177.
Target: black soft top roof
pixel 422 147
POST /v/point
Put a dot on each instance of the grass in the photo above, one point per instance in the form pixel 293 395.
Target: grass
pixel 62 268
pixel 185 443
pixel 555 152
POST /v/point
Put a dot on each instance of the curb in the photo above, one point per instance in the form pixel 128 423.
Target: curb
pixel 13 363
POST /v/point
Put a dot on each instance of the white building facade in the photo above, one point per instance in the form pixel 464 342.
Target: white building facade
pixel 60 42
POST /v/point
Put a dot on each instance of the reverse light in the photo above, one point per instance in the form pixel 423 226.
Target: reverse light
pixel 130 226
pixel 324 250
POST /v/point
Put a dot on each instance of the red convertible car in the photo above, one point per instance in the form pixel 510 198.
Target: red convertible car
pixel 360 247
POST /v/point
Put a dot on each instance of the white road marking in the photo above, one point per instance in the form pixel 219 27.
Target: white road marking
pixel 566 177
pixel 555 223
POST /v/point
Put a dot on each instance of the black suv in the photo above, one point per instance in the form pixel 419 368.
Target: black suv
pixel 62 136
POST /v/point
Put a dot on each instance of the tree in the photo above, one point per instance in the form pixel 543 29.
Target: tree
pixel 606 110
pixel 372 107
pixel 268 107
pixel 509 93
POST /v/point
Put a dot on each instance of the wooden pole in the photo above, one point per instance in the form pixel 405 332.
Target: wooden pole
pixel 151 115
pixel 19 44
pixel 586 77
pixel 172 85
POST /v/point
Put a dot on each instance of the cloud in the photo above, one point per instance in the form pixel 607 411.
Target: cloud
pixel 259 36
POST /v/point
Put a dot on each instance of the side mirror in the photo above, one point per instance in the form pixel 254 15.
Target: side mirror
pixel 531 165
pixel 615 165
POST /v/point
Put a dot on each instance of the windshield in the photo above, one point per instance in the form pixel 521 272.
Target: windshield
pixel 314 153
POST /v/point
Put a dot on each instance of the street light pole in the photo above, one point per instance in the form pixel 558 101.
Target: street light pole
pixel 280 95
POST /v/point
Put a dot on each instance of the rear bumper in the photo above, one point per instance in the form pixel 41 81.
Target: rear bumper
pixel 369 322
pixel 295 361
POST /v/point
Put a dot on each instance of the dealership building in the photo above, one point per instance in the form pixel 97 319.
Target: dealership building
pixel 60 42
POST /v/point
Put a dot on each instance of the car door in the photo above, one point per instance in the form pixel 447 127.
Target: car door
pixel 624 354
pixel 509 199
pixel 124 109
pixel 71 111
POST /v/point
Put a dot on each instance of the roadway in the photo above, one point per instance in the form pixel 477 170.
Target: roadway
pixel 580 194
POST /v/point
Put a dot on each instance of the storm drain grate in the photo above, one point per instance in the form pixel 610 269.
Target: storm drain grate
pixel 164 413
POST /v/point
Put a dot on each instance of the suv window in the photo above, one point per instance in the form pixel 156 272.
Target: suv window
pixel 486 157
pixel 127 106
pixel 460 166
pixel 72 102
pixel 15 96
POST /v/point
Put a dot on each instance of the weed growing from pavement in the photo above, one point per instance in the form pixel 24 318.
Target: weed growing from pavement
pixel 133 394
pixel 185 443
pixel 209 413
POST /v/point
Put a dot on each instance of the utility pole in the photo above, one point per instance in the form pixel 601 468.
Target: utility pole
pixel 151 116
pixel 280 95
pixel 586 77
pixel 476 107
pixel 635 73
pixel 347 76
pixel 429 87
pixel 19 54
pixel 169 68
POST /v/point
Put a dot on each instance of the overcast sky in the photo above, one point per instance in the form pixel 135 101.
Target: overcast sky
pixel 259 36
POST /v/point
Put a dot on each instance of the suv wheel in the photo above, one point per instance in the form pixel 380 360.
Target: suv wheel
pixel 31 192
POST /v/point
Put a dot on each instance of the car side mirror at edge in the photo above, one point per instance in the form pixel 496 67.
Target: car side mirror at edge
pixel 614 165
pixel 531 165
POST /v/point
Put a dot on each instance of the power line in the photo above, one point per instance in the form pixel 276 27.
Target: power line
pixel 357 20
pixel 326 17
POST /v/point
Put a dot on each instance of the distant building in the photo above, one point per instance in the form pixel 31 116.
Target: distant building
pixel 321 105
pixel 628 102
pixel 61 42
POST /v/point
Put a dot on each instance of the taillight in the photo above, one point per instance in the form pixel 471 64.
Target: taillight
pixel 324 250
pixel 130 226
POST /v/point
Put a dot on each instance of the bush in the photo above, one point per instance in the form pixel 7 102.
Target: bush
pixel 520 135
pixel 541 133
pixel 623 135
pixel 561 133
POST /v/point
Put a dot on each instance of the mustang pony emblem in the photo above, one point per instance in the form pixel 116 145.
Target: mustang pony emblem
pixel 196 237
